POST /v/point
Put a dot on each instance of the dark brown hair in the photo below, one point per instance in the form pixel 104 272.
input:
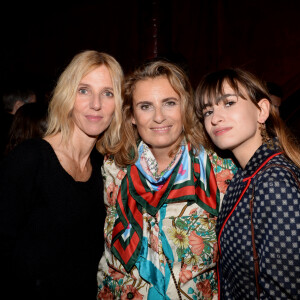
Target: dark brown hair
pixel 30 121
pixel 210 89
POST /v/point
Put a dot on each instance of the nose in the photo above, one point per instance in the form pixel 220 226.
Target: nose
pixel 217 116
pixel 159 116
pixel 95 102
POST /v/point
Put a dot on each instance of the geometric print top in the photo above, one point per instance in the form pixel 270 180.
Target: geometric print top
pixel 276 219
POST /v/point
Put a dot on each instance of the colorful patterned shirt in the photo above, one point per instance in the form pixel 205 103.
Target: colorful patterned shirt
pixel 185 229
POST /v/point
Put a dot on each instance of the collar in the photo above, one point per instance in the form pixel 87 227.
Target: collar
pixel 258 158
pixel 148 166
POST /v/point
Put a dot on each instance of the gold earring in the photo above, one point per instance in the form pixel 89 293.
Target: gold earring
pixel 265 137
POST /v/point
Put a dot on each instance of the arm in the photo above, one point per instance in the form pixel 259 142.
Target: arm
pixel 109 271
pixel 278 235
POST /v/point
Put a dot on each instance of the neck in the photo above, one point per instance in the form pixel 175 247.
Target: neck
pixel 162 158
pixel 82 147
pixel 77 149
pixel 245 150
pixel 244 155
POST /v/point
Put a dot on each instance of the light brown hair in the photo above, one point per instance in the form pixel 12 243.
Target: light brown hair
pixel 126 153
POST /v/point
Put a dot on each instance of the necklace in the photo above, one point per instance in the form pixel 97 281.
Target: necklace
pixel 171 269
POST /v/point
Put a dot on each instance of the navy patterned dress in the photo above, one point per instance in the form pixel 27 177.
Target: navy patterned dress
pixel 276 218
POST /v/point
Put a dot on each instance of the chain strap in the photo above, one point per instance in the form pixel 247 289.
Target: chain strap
pixel 170 267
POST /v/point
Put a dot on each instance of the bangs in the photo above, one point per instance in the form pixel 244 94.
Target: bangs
pixel 210 91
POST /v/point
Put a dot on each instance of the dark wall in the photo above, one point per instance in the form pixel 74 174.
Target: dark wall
pixel 39 41
pixel 203 35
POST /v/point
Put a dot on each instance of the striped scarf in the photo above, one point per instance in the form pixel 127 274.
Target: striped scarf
pixel 191 179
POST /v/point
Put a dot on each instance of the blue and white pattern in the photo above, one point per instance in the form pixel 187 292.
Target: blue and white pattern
pixel 182 176
pixel 276 218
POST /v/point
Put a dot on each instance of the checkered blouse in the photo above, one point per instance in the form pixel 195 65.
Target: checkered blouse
pixel 276 218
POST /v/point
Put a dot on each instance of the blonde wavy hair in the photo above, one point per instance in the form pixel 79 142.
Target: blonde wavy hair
pixel 64 95
pixel 211 87
pixel 126 152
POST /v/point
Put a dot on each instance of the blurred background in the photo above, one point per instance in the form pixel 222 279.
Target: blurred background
pixel 38 41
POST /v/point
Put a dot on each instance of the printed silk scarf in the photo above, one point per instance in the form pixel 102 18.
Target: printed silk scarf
pixel 191 179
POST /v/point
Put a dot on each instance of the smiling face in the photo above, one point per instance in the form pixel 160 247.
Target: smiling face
pixel 157 113
pixel 233 123
pixel 94 104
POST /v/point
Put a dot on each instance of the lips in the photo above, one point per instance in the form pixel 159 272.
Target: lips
pixel 93 118
pixel 221 130
pixel 161 129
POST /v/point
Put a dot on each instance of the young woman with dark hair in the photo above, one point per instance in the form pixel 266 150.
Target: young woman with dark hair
pixel 259 223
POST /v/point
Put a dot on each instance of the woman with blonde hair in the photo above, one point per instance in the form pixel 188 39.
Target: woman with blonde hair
pixel 51 208
pixel 259 223
pixel 161 195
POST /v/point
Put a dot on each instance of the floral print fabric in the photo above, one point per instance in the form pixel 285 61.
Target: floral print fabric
pixel 190 233
pixel 224 170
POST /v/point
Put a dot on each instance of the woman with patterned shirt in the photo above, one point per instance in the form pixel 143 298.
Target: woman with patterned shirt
pixel 259 224
pixel 161 195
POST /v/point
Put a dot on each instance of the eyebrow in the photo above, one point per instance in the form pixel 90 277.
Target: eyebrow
pixel 88 85
pixel 170 98
pixel 220 98
pixel 163 100
pixel 143 102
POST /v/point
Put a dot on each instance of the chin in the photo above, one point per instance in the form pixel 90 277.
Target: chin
pixel 93 134
pixel 223 146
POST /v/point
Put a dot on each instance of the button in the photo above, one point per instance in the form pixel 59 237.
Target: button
pixel 130 295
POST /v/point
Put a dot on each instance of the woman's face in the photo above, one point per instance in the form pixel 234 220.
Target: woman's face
pixel 157 113
pixel 233 123
pixel 95 103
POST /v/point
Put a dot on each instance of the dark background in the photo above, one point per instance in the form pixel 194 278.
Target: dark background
pixel 38 41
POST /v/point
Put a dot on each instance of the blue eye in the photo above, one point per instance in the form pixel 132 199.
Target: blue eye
pixel 108 94
pixel 83 91
pixel 229 103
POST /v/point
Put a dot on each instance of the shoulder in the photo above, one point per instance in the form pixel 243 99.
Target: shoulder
pixel 279 180
pixel 281 170
pixel 220 163
pixel 22 161
pixel 28 150
pixel 31 144
pixel 112 175
pixel 112 170
pixel 277 195
pixel 224 169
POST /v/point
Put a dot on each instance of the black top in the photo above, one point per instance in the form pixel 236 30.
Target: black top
pixel 276 220
pixel 51 226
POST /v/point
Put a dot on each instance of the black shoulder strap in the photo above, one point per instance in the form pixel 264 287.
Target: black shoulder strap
pixel 255 255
